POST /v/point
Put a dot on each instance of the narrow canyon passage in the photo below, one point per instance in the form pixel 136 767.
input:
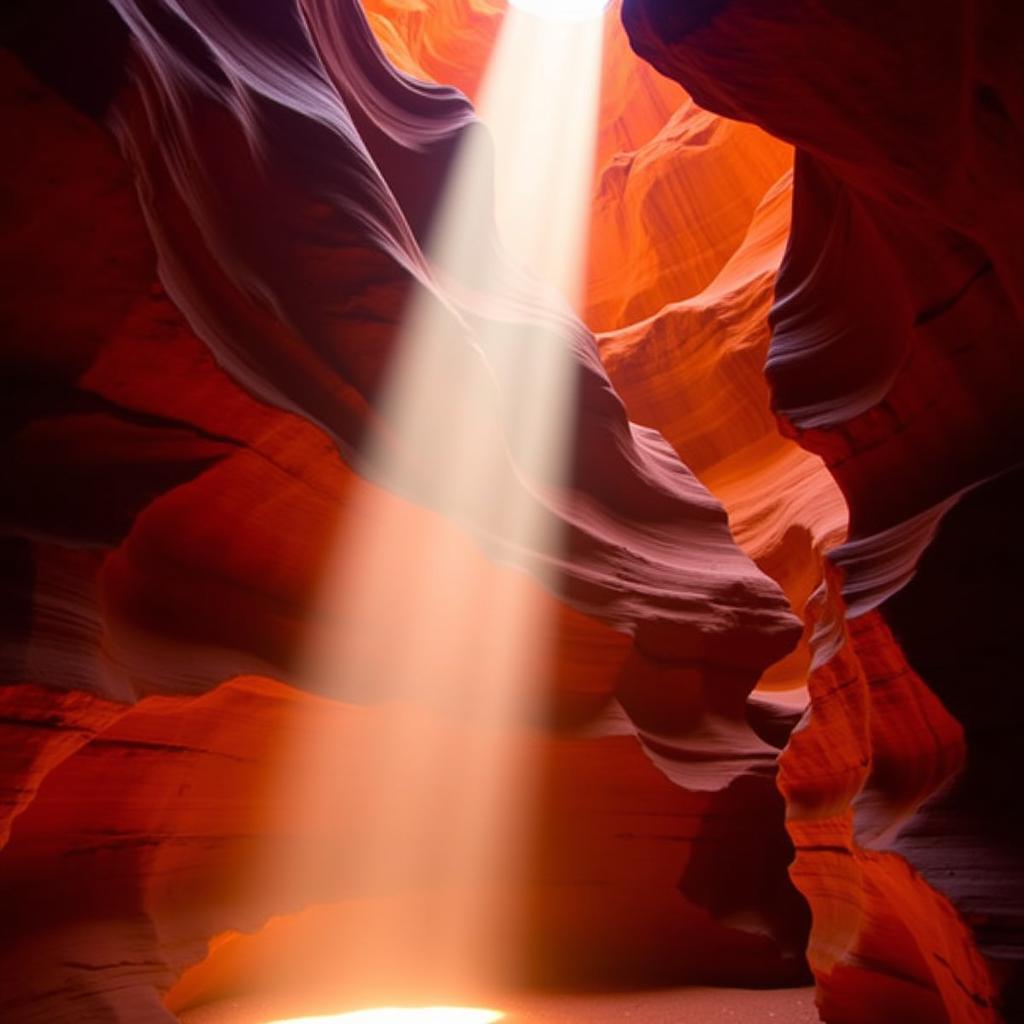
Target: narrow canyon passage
pixel 510 511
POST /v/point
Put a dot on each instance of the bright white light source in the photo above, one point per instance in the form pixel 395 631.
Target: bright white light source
pixel 405 1015
pixel 573 10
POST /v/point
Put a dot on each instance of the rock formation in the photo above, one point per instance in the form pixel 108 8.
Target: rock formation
pixel 216 220
pixel 896 356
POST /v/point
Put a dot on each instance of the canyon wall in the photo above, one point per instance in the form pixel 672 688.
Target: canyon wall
pixel 895 356
pixel 216 222
pixel 210 257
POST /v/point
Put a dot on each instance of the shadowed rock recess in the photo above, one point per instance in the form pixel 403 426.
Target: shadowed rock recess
pixel 779 731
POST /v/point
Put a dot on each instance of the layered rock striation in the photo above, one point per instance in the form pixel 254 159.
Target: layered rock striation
pixel 790 501
pixel 895 355
pixel 217 224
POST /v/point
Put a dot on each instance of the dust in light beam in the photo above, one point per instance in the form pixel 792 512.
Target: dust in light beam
pixel 449 645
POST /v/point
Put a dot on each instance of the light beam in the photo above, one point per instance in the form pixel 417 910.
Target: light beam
pixel 456 644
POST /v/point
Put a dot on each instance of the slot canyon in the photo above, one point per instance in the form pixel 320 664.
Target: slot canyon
pixel 512 504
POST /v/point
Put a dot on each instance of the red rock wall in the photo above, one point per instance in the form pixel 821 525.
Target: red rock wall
pixel 189 398
pixel 895 355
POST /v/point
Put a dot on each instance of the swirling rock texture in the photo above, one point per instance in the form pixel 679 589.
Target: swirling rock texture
pixel 215 223
pixel 896 356
pixel 216 213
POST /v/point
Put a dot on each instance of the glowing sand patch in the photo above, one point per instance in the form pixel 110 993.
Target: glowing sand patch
pixel 405 1015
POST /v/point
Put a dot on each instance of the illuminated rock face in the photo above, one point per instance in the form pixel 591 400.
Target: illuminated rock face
pixel 215 241
pixel 228 271
pixel 895 355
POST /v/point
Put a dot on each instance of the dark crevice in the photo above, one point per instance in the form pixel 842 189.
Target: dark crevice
pixel 931 312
